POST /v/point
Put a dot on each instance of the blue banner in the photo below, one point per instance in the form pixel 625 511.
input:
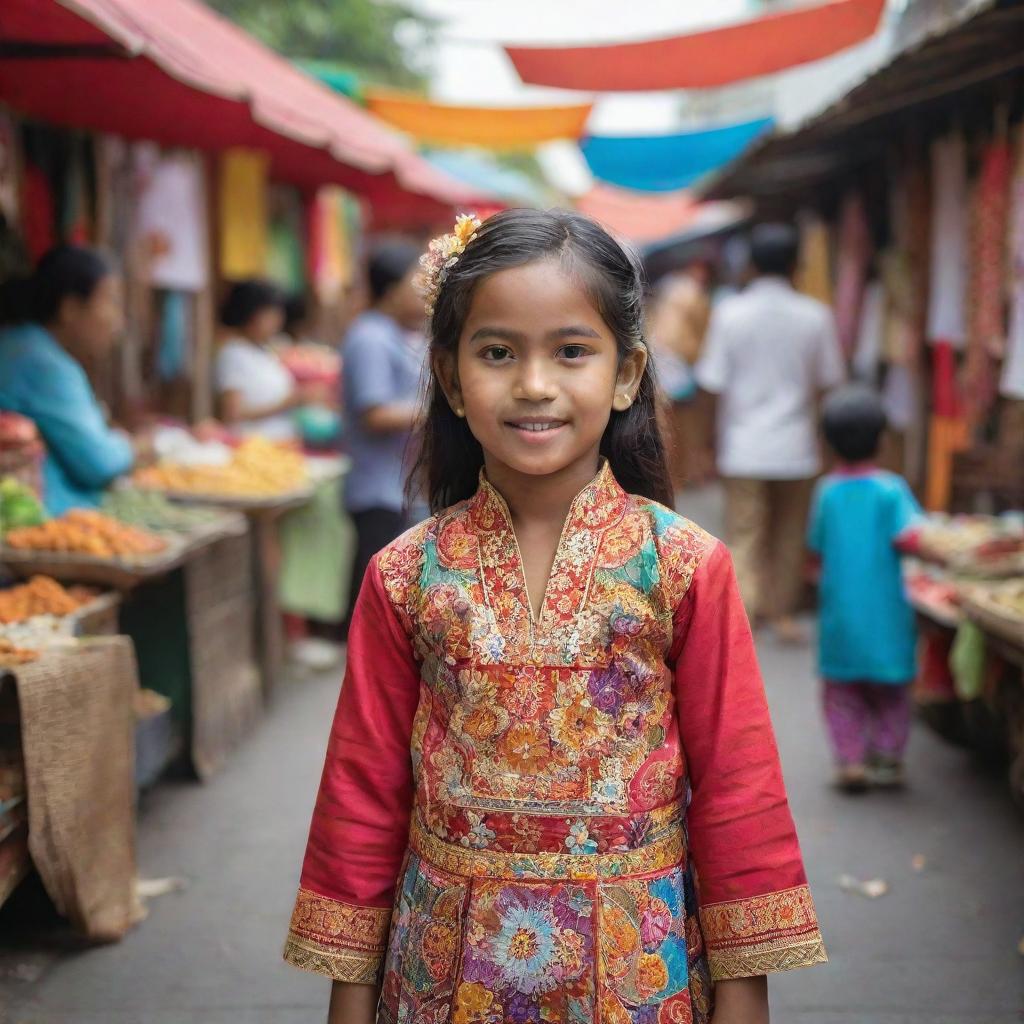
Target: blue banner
pixel 664 163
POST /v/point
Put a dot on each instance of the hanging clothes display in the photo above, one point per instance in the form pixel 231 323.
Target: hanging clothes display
pixel 171 219
pixel 948 431
pixel 814 276
pixel 870 333
pixel 174 343
pixel 851 270
pixel 243 213
pixel 986 331
pixel 330 257
pixel 947 312
pixel 1011 380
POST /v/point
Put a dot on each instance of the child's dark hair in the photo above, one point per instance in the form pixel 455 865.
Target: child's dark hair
pixel 247 298
pixel 450 457
pixel 65 270
pixel 854 420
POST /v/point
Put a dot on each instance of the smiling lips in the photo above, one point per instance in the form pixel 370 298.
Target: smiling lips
pixel 537 426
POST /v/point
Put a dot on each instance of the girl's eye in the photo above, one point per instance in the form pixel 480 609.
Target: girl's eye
pixel 573 351
pixel 495 354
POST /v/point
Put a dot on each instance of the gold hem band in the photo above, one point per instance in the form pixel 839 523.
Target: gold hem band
pixel 767 961
pixel 344 966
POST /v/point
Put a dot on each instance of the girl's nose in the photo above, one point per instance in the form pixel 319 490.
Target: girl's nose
pixel 533 383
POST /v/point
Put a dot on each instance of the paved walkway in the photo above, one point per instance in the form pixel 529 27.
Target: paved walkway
pixel 940 947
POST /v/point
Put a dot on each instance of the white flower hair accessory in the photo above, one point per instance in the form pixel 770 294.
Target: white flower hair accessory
pixel 441 255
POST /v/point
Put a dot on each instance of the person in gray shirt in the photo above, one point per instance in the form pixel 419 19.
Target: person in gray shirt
pixel 382 370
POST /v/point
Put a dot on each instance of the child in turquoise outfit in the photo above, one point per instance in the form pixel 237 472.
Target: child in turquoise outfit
pixel 867 639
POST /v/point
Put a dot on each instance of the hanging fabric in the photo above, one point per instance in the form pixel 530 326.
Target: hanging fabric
pixel 243 213
pixel 171 218
pixel 1011 380
pixel 759 46
pixel 666 163
pixel 173 341
pixel 851 270
pixel 947 313
pixel 814 275
pixel 443 124
pixel 871 330
pixel 987 334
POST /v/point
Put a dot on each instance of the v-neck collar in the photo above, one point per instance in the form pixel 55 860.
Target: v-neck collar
pixel 600 504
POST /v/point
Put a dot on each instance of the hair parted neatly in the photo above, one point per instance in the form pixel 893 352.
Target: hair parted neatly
pixel 450 457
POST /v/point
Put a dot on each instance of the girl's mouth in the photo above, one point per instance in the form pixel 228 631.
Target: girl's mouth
pixel 536 429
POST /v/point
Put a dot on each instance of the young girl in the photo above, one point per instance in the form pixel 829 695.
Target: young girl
pixel 552 791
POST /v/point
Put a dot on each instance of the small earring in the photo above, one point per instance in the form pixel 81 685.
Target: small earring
pixel 459 411
pixel 622 402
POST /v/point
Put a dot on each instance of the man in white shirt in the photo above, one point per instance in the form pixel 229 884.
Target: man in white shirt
pixel 769 355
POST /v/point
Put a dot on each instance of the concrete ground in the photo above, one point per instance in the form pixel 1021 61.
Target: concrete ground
pixel 940 947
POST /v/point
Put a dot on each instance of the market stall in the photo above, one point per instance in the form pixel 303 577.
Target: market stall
pixel 966 582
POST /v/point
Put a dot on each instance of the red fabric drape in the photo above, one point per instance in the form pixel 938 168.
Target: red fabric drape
pixel 760 46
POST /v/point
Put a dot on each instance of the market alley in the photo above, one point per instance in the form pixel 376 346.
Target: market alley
pixel 940 946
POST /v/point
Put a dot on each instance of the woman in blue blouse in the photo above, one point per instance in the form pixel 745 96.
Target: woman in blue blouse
pixel 68 311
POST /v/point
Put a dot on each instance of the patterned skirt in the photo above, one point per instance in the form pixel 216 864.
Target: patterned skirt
pixel 489 938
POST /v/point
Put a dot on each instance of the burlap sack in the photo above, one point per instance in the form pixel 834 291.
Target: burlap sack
pixel 78 736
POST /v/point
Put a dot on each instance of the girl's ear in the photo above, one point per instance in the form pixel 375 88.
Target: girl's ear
pixel 627 381
pixel 446 372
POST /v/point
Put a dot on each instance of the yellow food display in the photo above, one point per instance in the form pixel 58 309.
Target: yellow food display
pixel 258 469
pixel 85 532
pixel 41 595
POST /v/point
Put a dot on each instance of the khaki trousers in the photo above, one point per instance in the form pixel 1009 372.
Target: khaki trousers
pixel 765 524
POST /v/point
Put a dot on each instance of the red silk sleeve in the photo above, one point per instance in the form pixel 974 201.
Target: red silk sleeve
pixel 360 825
pixel 756 910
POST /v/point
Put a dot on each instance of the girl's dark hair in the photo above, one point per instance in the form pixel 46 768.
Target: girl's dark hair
pixel 450 457
pixel 65 270
pixel 389 262
pixel 247 298
pixel 854 419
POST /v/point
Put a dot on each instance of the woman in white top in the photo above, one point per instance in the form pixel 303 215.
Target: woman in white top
pixel 256 392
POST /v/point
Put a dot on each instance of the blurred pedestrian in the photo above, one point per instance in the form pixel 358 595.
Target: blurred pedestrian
pixel 382 372
pixel 256 392
pixel 866 626
pixel 769 356
pixel 678 321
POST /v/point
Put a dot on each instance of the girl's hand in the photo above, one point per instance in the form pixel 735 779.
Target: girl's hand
pixel 353 1004
pixel 741 1001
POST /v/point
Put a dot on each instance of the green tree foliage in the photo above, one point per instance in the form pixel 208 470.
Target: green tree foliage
pixel 357 34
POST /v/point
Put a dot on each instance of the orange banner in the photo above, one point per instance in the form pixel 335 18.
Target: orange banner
pixel 440 124
pixel 760 46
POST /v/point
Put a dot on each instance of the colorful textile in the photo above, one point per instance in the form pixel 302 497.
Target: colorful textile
pixel 568 771
pixel 986 330
pixel 947 293
pixel 1011 380
pixel 852 261
pixel 866 720
pixel 758 46
pixel 243 213
pixel 442 124
pixel 814 275
pixel 947 435
pixel 666 163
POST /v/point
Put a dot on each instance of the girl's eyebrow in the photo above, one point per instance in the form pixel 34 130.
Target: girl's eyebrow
pixel 506 334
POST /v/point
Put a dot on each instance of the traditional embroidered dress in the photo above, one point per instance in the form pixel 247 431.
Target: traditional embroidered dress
pixel 577 817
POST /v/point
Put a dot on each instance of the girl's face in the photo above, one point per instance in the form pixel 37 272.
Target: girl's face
pixel 537 372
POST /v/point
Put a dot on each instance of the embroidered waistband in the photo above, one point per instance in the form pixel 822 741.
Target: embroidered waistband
pixel 666 852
